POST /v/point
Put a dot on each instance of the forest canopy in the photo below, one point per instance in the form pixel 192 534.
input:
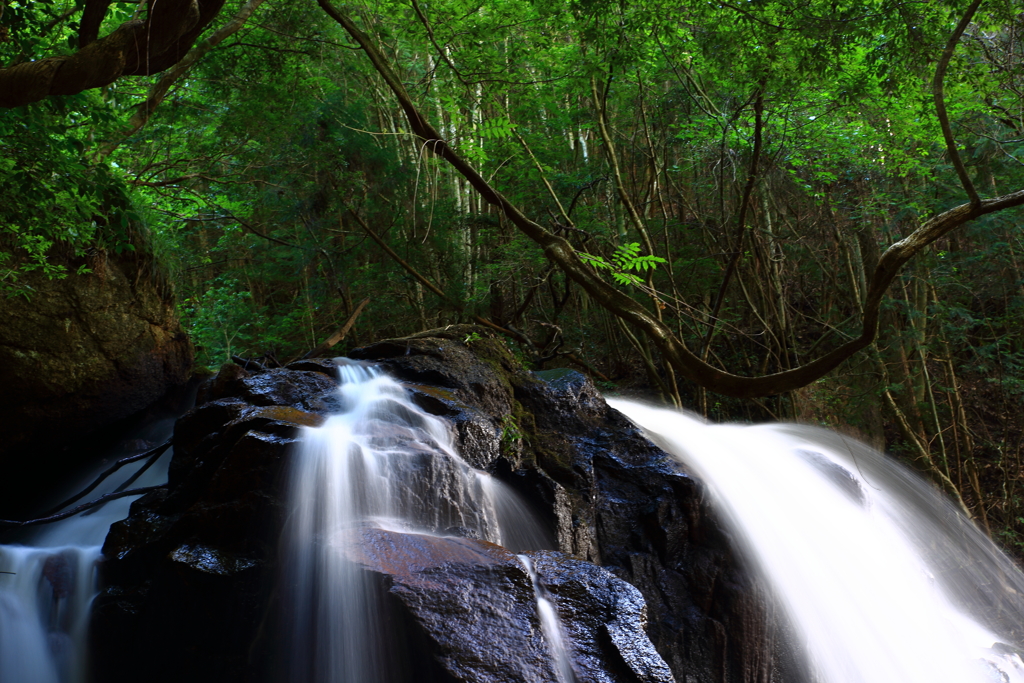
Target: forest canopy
pixel 809 200
pixel 781 89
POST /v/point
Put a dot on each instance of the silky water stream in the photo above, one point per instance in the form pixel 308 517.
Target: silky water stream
pixel 380 462
pixel 884 581
pixel 551 627
pixel 48 579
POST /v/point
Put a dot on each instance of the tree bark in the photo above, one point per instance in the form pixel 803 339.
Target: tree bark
pixel 135 48
pixel 158 91
pixel 938 95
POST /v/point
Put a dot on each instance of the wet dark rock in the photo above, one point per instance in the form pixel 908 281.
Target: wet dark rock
pixel 474 373
pixel 276 387
pixel 324 366
pixel 605 619
pixel 211 560
pixel 478 434
pixel 615 499
pixel 286 387
pixel 436 401
pixel 578 398
pixel 476 605
pixel 191 573
pixel 227 382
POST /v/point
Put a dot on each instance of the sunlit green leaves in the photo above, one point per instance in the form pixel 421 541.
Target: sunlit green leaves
pixel 624 262
pixel 51 192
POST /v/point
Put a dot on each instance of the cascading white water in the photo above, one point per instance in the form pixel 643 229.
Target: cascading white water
pixel 44 612
pixel 380 462
pixel 882 578
pixel 48 582
pixel 551 625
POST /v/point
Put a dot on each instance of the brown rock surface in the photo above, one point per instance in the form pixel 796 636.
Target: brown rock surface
pixel 78 355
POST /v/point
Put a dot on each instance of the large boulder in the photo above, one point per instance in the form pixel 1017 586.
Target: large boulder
pixel 77 355
pixel 614 498
pixel 188 574
pixel 476 604
pixel 644 577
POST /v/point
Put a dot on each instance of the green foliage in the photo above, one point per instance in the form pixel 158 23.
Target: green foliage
pixel 56 201
pixel 511 434
pixel 496 129
pixel 219 321
pixel 625 261
pixel 52 197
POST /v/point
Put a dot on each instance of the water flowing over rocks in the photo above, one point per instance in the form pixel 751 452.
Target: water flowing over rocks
pixel 77 355
pixel 614 498
pixel 190 580
pixel 475 603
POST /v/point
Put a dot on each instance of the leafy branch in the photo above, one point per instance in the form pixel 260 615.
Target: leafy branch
pixel 625 261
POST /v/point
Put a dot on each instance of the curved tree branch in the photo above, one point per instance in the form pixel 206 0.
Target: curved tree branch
pixel 673 349
pixel 940 102
pixel 135 48
pixel 102 500
pixel 158 91
pixel 92 18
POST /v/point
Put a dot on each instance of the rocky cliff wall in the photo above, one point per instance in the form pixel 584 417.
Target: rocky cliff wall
pixel 77 355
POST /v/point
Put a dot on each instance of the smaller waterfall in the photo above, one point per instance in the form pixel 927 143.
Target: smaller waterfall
pixel 551 625
pixel 882 578
pixel 48 582
pixel 379 462
pixel 44 612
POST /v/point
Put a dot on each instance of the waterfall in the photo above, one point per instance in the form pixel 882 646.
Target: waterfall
pixel 48 582
pixel 379 462
pixel 884 581
pixel 551 625
pixel 44 612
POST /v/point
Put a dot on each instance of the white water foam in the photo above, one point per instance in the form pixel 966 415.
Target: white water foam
pixel 884 581
pixel 48 582
pixel 381 462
